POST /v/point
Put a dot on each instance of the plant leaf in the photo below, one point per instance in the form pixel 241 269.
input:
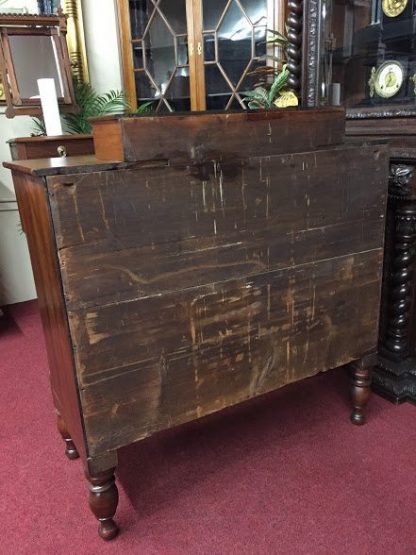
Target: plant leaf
pixel 286 99
pixel 39 125
pixel 145 107
pixel 277 34
pixel 91 104
pixel 278 84
pixel 258 96
pixel 254 105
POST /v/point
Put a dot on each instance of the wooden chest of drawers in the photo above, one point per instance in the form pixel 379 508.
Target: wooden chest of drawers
pixel 30 148
pixel 171 288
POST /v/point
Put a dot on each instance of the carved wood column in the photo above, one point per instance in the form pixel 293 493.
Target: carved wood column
pixel 294 49
pixel 396 375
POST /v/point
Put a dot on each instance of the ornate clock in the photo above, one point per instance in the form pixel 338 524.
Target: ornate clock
pixel 394 8
pixel 398 22
pixel 387 80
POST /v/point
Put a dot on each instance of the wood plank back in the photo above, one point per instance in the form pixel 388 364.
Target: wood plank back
pixel 224 136
pixel 188 291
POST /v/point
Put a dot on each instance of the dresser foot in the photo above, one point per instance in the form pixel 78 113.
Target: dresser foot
pixel 103 502
pixel 70 449
pixel 360 392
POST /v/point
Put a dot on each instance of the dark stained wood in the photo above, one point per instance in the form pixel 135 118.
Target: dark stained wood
pixel 34 211
pixel 212 269
pixel 223 343
pixel 381 127
pixel 70 449
pixel 246 219
pixel 103 502
pixel 27 148
pixel 360 392
pixel 61 166
pixel 294 26
pixel 223 136
pixel 233 238
pixel 395 375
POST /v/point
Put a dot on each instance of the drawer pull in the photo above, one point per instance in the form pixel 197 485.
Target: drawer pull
pixel 62 151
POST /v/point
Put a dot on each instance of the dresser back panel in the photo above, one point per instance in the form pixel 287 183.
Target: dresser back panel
pixel 190 289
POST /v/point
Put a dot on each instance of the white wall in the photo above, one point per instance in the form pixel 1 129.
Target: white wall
pixel 100 25
pixel 16 281
pixel 105 73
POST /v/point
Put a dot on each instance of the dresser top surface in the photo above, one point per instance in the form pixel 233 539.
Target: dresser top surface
pixel 43 167
pixel 61 165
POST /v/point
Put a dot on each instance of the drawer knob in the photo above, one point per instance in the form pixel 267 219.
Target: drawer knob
pixel 62 151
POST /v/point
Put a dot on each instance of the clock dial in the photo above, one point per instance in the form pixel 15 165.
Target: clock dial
pixel 393 8
pixel 388 79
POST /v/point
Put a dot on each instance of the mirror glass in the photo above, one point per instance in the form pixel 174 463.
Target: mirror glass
pixel 34 57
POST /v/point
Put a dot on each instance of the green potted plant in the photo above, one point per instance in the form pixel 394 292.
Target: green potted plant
pixel 271 90
pixel 92 105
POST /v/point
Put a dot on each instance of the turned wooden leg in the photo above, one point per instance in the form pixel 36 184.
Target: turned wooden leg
pixel 360 392
pixel 70 449
pixel 103 502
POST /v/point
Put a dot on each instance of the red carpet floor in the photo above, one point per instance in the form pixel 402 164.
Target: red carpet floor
pixel 285 474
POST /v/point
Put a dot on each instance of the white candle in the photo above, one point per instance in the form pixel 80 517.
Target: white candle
pixel 336 94
pixel 50 108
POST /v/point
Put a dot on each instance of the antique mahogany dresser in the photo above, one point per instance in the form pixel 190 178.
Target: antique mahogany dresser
pixel 217 258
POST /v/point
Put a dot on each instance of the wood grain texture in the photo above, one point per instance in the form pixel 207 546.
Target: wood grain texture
pixel 222 344
pixel 107 139
pixel 124 36
pixel 189 290
pixel 34 210
pixel 244 219
pixel 62 166
pixel 223 136
pixel 27 148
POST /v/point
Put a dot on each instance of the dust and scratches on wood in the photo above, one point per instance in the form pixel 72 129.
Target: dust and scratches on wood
pixel 192 289
pixel 222 136
pixel 140 233
pixel 179 356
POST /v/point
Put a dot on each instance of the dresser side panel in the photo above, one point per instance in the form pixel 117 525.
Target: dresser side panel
pixel 34 210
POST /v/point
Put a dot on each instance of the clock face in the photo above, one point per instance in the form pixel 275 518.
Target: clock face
pixel 393 8
pixel 389 78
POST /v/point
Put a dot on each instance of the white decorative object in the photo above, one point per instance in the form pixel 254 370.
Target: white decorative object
pixel 50 108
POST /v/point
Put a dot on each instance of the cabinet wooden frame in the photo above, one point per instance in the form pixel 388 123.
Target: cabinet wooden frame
pixel 194 18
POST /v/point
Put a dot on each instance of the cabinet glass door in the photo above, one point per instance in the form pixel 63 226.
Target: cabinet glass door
pixel 234 42
pixel 194 54
pixel 159 42
pixel 368 55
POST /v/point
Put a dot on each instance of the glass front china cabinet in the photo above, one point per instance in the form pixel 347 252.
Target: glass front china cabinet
pixel 194 54
pixel 361 55
pixel 365 56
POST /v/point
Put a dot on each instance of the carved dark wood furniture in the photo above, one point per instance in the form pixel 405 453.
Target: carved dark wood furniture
pixel 213 265
pixel 347 44
pixel 395 375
